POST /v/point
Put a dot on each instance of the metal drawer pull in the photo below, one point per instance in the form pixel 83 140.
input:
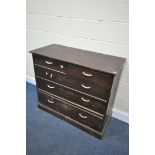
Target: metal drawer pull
pixel 46 73
pixel 86 87
pixel 86 74
pixel 85 100
pixel 48 62
pixel 50 86
pixel 50 101
pixel 51 75
pixel 82 116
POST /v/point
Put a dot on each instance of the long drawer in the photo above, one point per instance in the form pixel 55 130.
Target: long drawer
pixel 80 99
pixel 73 112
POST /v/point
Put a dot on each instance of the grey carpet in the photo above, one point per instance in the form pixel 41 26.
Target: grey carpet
pixel 48 135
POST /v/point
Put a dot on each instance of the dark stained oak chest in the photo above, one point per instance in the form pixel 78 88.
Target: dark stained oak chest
pixel 77 86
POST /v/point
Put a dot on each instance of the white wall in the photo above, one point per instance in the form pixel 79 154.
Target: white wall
pixel 96 25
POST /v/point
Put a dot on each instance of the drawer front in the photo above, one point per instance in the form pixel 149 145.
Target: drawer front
pixel 56 65
pixel 79 115
pixel 80 99
pixel 50 75
pixel 101 79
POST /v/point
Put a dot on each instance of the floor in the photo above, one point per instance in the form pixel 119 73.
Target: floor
pixel 48 135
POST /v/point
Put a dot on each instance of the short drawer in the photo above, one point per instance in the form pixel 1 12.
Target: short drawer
pixel 53 64
pixel 73 112
pixel 76 98
pixel 49 75
pixel 103 80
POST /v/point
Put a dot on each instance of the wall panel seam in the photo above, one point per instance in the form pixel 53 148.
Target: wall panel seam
pixel 30 29
pixel 82 19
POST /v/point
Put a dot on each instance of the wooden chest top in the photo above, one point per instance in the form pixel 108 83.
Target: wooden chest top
pixel 97 61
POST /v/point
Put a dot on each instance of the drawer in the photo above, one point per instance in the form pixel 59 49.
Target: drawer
pixel 82 100
pixel 50 75
pixel 73 112
pixel 53 64
pixel 104 80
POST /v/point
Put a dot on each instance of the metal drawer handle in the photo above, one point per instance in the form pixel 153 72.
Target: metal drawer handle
pixel 86 74
pixel 86 87
pixel 50 101
pixel 82 116
pixel 46 73
pixel 49 62
pixel 85 100
pixel 51 87
pixel 51 75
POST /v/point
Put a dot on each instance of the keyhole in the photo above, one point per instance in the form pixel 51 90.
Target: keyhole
pixel 46 73
pixel 61 66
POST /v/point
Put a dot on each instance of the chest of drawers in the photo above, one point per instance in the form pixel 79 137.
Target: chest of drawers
pixel 77 86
